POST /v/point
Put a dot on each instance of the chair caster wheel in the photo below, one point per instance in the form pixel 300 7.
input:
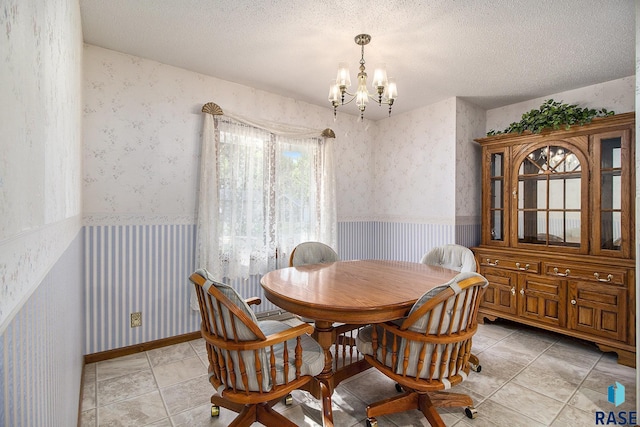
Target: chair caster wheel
pixel 372 422
pixel 471 412
pixel 399 388
pixel 288 400
pixel 475 368
pixel 215 411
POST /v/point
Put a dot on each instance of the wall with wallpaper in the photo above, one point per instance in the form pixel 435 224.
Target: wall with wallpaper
pixel 41 318
pixel 142 130
pixel 142 126
pixel 405 184
pixel 427 179
pixel 142 137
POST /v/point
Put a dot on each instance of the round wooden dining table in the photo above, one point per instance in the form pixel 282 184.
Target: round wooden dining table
pixel 357 292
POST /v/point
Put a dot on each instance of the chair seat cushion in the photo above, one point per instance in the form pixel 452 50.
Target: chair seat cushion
pixel 364 341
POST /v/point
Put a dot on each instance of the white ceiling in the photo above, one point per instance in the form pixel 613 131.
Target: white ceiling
pixel 491 53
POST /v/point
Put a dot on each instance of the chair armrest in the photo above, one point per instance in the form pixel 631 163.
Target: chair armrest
pixel 288 334
pixel 272 339
pixel 253 301
pixel 421 337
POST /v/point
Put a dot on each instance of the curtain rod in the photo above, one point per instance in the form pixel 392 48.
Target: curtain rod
pixel 215 110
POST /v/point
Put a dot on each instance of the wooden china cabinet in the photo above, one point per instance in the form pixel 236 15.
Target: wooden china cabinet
pixel 558 231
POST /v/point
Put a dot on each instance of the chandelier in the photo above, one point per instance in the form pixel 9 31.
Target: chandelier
pixel 385 90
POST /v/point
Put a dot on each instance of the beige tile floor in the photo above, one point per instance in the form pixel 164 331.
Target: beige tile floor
pixel 528 378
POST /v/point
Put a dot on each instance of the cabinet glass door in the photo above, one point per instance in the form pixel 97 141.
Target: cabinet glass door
pixel 612 205
pixel 496 203
pixel 610 195
pixel 549 193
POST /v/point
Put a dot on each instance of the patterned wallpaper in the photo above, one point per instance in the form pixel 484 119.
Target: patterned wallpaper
pixel 415 165
pixel 41 349
pixel 470 125
pixel 41 287
pixel 142 135
pixel 41 49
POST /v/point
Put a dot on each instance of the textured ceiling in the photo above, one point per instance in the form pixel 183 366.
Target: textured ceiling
pixel 492 53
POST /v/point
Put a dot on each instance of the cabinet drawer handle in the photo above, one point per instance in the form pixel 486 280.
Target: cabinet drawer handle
pixel 573 302
pixel 526 267
pixel 608 279
pixel 493 264
pixel 566 272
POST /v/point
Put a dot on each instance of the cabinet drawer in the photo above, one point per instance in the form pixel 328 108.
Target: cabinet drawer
pixel 584 272
pixel 517 263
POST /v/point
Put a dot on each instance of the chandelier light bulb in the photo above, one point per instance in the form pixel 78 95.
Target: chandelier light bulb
pixel 334 92
pixel 379 77
pixel 343 79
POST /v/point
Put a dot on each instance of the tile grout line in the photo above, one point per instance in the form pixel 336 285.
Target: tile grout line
pixel 164 403
pixel 577 389
pixel 516 374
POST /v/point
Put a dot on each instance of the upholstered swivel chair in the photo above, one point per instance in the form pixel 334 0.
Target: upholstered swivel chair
pixel 458 258
pixel 252 364
pixel 312 253
pixel 451 256
pixel 428 351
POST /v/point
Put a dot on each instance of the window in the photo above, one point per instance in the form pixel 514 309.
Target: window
pixel 270 193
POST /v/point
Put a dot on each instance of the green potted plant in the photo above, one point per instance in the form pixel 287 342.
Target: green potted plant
pixel 553 115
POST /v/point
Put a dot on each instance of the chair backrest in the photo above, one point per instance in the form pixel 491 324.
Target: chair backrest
pixel 451 256
pixel 312 253
pixel 227 319
pixel 250 361
pixel 434 340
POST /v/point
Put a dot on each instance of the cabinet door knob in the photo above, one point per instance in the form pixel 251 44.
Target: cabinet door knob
pixel 608 279
pixel 525 268
pixel 513 291
pixel 573 302
pixel 521 291
pixel 566 272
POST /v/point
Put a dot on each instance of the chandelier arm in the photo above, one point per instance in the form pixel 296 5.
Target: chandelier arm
pixel 378 101
pixel 349 101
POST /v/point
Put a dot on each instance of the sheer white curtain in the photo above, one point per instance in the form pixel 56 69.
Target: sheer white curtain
pixel 262 187
pixel 305 193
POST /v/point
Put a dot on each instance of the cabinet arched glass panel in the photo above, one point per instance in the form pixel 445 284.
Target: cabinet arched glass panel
pixel 549 197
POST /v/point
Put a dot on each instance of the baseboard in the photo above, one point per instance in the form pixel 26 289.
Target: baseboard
pixel 138 348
